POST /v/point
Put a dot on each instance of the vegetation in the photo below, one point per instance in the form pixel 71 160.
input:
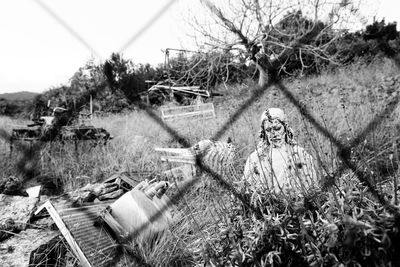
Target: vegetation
pixel 343 79
pixel 118 83
pixel 16 103
pixel 337 222
pixel 278 38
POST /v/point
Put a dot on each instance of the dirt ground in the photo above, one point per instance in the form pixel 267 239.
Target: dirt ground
pixel 16 250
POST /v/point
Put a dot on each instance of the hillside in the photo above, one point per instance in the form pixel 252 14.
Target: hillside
pixel 23 95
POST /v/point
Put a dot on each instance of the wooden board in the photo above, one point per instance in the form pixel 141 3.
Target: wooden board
pixel 91 244
pixel 203 111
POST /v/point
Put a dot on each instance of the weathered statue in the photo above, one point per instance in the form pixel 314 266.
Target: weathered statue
pixel 278 164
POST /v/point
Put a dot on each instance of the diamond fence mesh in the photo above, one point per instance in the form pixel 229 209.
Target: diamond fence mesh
pixel 32 153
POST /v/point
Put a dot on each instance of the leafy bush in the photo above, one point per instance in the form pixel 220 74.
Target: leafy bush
pixel 341 227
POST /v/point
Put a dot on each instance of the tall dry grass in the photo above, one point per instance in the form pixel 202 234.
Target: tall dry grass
pixel 344 102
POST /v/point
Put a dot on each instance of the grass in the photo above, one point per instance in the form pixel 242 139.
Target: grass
pixel 343 102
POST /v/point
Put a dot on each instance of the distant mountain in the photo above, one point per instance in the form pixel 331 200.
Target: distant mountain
pixel 23 95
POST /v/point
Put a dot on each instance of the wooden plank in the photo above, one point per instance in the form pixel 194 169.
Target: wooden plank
pixel 177 112
pixel 178 160
pixel 205 94
pixel 204 111
pixel 67 234
pixel 205 106
pixel 118 230
pixel 181 151
pixel 86 239
pixel 159 86
pixel 191 115
pixel 124 178
pixel 183 157
pixel 174 173
pixel 198 107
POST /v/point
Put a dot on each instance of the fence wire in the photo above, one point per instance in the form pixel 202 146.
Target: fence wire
pixel 32 153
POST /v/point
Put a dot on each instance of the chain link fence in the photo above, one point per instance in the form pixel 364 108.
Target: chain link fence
pixel 33 153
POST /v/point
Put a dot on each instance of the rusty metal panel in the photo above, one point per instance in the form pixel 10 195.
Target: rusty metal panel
pixel 98 247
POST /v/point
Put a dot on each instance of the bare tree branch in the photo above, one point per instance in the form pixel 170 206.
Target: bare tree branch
pixel 273 33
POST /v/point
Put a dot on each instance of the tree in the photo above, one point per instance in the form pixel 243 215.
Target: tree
pixel 273 33
pixel 121 75
pixel 205 69
pixel 386 36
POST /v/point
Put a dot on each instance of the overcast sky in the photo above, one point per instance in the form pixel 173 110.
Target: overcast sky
pixel 43 42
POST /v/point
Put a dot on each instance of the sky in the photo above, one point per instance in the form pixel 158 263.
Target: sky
pixel 44 42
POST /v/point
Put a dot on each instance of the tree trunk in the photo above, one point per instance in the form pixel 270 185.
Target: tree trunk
pixel 264 67
pixel 263 75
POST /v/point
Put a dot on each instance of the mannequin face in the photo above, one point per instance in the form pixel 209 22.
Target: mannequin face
pixel 275 132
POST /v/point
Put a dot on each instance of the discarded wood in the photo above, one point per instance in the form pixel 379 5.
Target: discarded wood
pixel 81 197
pixel 90 192
pixel 178 160
pixel 216 155
pixel 201 107
pixel 186 172
pixel 191 158
pixel 99 188
pixel 34 191
pixel 181 151
pixel 187 88
pixel 105 217
pixel 108 188
pixel 91 245
pixel 67 235
pixel 111 195
pixel 205 111
pixel 125 178
pixel 185 156
pixel 192 92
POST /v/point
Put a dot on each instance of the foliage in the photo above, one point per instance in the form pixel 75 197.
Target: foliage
pixel 15 107
pixel 117 83
pixel 86 83
pixel 273 35
pixel 376 39
pixel 123 75
pixel 340 225
pixel 304 62
pixel 208 69
pixel 316 229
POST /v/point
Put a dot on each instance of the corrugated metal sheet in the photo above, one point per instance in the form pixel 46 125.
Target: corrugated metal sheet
pixel 99 248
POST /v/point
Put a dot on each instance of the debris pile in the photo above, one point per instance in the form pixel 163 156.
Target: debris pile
pixel 140 214
pixel 165 91
pixel 12 186
pixel 216 155
pixel 73 227
pixel 59 125
pixel 112 188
